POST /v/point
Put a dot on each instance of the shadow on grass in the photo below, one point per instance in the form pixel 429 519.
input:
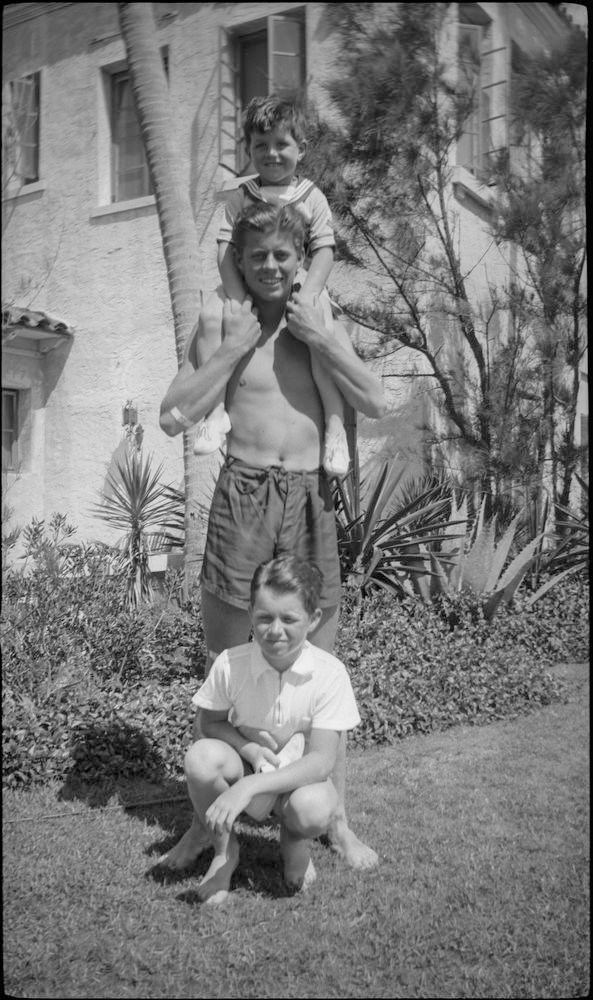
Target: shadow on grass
pixel 259 870
pixel 116 765
pixel 119 762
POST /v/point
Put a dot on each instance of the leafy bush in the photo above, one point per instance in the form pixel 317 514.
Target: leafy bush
pixel 92 691
pixel 142 729
pixel 75 661
pixel 418 668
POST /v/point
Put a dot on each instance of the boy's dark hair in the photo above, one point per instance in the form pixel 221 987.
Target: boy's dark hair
pixel 265 218
pixel 262 114
pixel 289 574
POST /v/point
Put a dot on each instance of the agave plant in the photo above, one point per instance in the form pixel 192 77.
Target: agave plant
pixel 384 541
pixel 571 553
pixel 149 512
pixel 479 562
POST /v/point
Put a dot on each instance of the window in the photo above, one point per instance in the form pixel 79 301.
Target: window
pixel 20 130
pixel 265 57
pixel 10 429
pixel 482 70
pixel 130 177
pixel 522 143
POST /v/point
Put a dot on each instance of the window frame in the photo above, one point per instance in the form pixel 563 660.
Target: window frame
pixel 232 155
pixel 110 199
pixel 13 462
pixel 16 138
pixel 482 135
pixel 116 79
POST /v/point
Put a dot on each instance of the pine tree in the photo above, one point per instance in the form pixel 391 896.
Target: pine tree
pixel 398 109
pixel 542 212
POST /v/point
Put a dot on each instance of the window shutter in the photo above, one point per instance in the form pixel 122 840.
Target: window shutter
pixel 493 103
pixel 286 54
pixel 470 44
pixel 229 129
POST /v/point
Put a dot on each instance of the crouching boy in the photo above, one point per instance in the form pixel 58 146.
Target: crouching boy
pixel 279 691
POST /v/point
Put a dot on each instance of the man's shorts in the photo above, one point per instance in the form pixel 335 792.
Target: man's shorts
pixel 258 514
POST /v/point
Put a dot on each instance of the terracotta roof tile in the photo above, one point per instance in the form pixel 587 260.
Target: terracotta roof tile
pixel 18 316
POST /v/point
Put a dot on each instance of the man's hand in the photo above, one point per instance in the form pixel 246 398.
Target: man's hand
pixel 304 317
pixel 240 325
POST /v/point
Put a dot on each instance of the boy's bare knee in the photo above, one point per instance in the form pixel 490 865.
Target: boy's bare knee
pixel 203 759
pixel 310 809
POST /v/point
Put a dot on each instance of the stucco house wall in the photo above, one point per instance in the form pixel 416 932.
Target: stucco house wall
pixel 99 266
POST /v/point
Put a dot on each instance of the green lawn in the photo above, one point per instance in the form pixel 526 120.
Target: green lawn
pixel 482 888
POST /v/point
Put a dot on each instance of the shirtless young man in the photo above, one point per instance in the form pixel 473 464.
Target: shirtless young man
pixel 272 495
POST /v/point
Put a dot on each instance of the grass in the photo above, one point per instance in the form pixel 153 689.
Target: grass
pixel 482 888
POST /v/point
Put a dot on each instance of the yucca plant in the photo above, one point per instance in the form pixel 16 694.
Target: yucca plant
pixel 384 539
pixel 148 511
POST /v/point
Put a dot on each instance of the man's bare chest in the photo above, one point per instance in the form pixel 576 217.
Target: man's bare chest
pixel 279 363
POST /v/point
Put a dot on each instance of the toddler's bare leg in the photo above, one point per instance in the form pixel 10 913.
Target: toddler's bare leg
pixel 336 456
pixel 212 431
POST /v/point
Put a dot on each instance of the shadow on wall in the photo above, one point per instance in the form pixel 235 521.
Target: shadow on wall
pixel 53 365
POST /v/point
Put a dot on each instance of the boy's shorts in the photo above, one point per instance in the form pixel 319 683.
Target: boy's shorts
pixel 260 513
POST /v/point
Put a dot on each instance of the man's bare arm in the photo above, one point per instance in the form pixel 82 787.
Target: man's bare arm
pixel 358 385
pixel 195 390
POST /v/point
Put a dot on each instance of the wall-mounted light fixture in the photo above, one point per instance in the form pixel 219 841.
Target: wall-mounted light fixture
pixel 129 414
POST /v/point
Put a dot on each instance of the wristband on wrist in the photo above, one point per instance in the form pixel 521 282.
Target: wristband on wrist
pixel 180 418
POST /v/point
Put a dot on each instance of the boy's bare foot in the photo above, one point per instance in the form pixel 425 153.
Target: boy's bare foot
pixel 216 883
pixel 345 843
pixel 336 456
pixel 186 851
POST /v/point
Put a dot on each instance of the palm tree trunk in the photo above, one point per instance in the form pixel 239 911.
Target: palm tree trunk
pixel 176 220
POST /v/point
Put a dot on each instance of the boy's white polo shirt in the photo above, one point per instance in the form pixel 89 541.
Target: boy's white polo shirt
pixel 314 693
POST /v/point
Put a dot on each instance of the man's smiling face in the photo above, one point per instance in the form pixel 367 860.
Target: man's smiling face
pixel 268 263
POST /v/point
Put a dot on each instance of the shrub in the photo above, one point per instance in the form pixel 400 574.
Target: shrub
pixel 67 608
pixel 91 691
pixel 84 679
pixel 138 730
pixel 418 668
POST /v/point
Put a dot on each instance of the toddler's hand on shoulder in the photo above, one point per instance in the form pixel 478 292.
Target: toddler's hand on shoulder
pixel 304 316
